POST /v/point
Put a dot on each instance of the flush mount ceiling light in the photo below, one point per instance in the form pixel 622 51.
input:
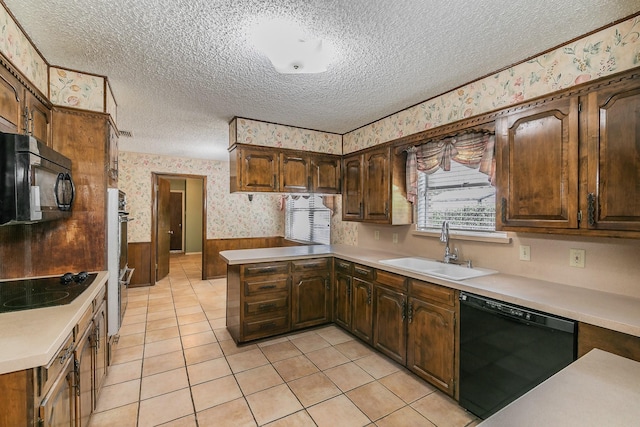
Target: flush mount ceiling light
pixel 289 49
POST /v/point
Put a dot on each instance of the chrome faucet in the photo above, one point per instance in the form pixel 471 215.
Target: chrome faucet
pixel 444 238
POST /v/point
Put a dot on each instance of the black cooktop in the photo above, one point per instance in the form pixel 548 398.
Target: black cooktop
pixel 16 295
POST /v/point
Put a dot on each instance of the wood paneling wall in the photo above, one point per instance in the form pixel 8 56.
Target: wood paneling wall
pixel 139 257
pixel 79 242
pixel 216 267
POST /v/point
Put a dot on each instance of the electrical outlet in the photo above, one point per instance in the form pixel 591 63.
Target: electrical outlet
pixel 577 257
pixel 525 253
pixel 395 237
pixel 376 235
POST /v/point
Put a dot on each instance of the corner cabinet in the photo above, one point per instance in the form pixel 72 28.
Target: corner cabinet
pixel 374 188
pixel 570 165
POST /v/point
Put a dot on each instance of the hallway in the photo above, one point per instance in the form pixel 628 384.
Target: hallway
pixel 176 365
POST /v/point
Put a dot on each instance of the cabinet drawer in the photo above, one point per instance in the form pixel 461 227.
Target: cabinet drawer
pixel 266 305
pixel 391 280
pixel 99 298
pixel 255 287
pixel 363 272
pixel 343 266
pixel 266 327
pixel 310 264
pixel 47 374
pixel 84 321
pixel 265 268
pixel 431 292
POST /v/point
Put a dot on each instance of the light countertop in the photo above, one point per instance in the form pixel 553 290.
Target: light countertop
pixel 611 311
pixel 599 389
pixel 31 338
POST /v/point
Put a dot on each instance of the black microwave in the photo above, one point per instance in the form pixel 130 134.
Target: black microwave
pixel 36 181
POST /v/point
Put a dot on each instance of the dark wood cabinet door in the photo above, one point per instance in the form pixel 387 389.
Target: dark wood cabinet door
pixel 84 361
pixel 537 160
pixel 295 173
pixel 57 409
pixel 362 306
pixel 100 334
pixel 389 326
pixel 613 190
pixel 310 298
pixel 258 170
pixel 377 189
pixel 39 119
pixel 325 174
pixel 11 102
pixel 430 343
pixel 352 194
pixel 342 298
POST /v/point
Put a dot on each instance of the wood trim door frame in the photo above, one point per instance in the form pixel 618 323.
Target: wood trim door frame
pixel 154 219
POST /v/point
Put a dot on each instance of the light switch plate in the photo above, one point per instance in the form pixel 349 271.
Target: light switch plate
pixel 525 253
pixel 376 235
pixel 395 237
pixel 577 257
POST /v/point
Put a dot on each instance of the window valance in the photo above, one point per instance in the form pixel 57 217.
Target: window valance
pixel 475 150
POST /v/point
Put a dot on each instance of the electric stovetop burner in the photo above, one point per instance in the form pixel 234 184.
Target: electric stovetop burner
pixel 25 294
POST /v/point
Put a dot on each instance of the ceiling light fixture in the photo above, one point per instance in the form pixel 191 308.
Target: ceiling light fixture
pixel 289 49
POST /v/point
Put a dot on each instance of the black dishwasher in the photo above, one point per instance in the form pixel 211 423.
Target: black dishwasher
pixel 506 350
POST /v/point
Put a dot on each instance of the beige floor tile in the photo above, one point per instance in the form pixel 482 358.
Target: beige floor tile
pixel 217 323
pixel 162 334
pixel 309 343
pixel 280 351
pixel 334 335
pixel 137 311
pixel 136 304
pixel 375 401
pixel 212 393
pixel 162 363
pixel 229 347
pixel 124 372
pixel 130 320
pixel 202 353
pixel 161 315
pixel 222 334
pixel 406 386
pixel 219 313
pixel 118 395
pixel 165 408
pixel 405 417
pixel 377 365
pixel 188 421
pixel 231 414
pixel 354 349
pixel 162 323
pixel 133 328
pixel 131 340
pixel 209 370
pixel 337 412
pixel 327 357
pixel 164 382
pixel 246 360
pixel 195 340
pixel 348 376
pixel 295 367
pixel 442 411
pixel 122 416
pixel 270 341
pixel 128 354
pixel 195 328
pixel 299 419
pixel 258 379
pixel 157 308
pixel 313 389
pixel 273 403
pixel 162 347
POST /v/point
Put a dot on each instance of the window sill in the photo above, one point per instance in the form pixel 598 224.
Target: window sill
pixel 475 236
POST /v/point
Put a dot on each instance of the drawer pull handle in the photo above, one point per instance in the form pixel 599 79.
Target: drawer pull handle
pixel 343 265
pixel 267 305
pixel 268 325
pixel 267 287
pixel 362 271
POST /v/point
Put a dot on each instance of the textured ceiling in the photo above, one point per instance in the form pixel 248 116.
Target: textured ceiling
pixel 181 69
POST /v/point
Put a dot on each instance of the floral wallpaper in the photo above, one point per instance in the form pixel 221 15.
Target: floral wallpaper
pixel 612 50
pixel 78 90
pixel 228 215
pixel 342 232
pixel 17 48
pixel 247 131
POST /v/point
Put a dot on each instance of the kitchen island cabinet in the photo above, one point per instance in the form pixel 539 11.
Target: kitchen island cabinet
pixel 342 293
pixel 310 292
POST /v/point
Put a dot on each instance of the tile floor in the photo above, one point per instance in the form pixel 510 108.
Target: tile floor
pixel 176 365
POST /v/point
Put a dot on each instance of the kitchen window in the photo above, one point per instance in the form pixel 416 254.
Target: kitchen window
pixel 307 219
pixel 462 195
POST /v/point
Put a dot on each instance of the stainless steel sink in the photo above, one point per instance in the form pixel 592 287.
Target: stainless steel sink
pixel 437 268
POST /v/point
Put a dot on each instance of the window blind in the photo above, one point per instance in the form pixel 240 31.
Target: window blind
pixel 308 220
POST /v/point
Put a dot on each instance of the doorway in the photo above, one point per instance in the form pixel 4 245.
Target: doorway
pixel 178 220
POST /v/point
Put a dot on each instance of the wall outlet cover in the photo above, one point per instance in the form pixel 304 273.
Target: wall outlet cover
pixel 577 257
pixel 376 235
pixel 395 237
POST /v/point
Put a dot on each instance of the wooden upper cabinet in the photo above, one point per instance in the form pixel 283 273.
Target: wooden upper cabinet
pixel 253 169
pixel 295 173
pixel 38 118
pixel 612 197
pixel 376 183
pixel 11 101
pixel 325 174
pixel 537 161
pixel 352 196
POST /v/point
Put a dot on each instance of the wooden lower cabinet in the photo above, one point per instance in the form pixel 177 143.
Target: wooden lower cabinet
pixel 58 408
pixel 362 310
pixel 310 299
pixel 431 343
pixel 342 300
pixel 389 325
